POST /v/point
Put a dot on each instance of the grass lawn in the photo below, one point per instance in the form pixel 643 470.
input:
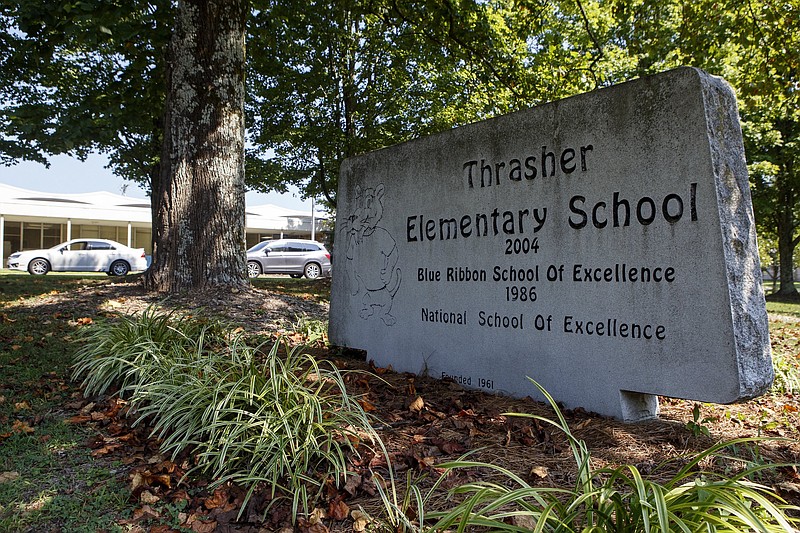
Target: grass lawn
pixel 48 478
pixel 788 309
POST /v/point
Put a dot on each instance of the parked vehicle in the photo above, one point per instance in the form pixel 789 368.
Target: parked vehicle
pixel 81 255
pixel 296 257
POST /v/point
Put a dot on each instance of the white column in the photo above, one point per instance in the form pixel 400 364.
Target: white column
pixel 3 241
pixel 313 221
pixel 69 229
pixel 129 234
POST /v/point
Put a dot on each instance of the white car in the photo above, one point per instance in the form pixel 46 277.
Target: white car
pixel 81 255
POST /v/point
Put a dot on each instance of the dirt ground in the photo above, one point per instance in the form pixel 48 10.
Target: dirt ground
pixel 423 422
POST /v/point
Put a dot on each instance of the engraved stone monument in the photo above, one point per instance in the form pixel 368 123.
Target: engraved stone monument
pixel 603 245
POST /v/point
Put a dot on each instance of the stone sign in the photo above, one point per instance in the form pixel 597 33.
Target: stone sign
pixel 603 245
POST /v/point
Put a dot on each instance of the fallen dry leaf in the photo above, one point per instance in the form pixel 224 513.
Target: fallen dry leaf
pixel 540 471
pixel 198 525
pixel 417 405
pixel 8 476
pixel 338 510
pixel 524 522
pixel 220 501
pixel 96 417
pixel 105 450
pixel 78 419
pixel 148 497
pixel 317 515
pixel 789 487
pixel 360 521
pixel 377 370
pixel 448 447
pixel 84 321
pixel 137 480
pixel 22 406
pixel 366 405
pixel 145 512
pixel 352 484
pixel 426 462
pixel 21 427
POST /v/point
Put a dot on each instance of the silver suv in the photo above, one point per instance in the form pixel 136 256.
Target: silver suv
pixel 296 257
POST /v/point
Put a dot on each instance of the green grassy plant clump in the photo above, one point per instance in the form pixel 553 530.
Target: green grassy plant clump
pixel 618 499
pixel 787 373
pixel 121 352
pixel 312 330
pixel 249 417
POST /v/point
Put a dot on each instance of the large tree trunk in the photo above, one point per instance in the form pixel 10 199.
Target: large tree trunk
pixel 198 195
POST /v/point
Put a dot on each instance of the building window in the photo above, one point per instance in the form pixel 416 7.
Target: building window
pixel 39 235
pixel 11 238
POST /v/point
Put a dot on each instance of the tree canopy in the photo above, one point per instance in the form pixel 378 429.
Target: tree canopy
pixel 84 76
pixel 326 81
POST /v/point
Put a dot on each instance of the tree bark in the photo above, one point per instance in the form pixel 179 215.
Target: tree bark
pixel 198 195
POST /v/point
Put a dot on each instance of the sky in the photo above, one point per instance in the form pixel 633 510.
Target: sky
pixel 70 175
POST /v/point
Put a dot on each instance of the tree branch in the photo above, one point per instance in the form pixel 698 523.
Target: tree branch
pixel 597 46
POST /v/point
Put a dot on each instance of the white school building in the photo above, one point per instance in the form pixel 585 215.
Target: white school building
pixel 33 219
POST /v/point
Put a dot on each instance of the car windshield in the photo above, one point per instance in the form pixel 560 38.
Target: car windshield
pixel 259 246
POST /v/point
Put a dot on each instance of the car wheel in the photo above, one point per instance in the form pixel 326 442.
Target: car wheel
pixel 295 276
pixel 312 271
pixel 39 267
pixel 119 268
pixel 253 269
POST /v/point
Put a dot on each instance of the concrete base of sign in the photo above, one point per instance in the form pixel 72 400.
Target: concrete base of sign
pixel 603 245
pixel 638 407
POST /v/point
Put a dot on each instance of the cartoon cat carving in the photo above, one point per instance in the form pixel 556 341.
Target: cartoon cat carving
pixel 368 244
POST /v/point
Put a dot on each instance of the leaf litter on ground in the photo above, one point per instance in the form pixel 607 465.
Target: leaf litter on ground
pixel 423 422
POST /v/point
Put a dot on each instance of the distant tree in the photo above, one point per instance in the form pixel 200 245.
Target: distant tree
pixel 344 78
pixel 754 46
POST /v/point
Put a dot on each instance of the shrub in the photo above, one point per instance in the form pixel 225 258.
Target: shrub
pixel 617 499
pixel 116 352
pixel 248 417
pixel 281 422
